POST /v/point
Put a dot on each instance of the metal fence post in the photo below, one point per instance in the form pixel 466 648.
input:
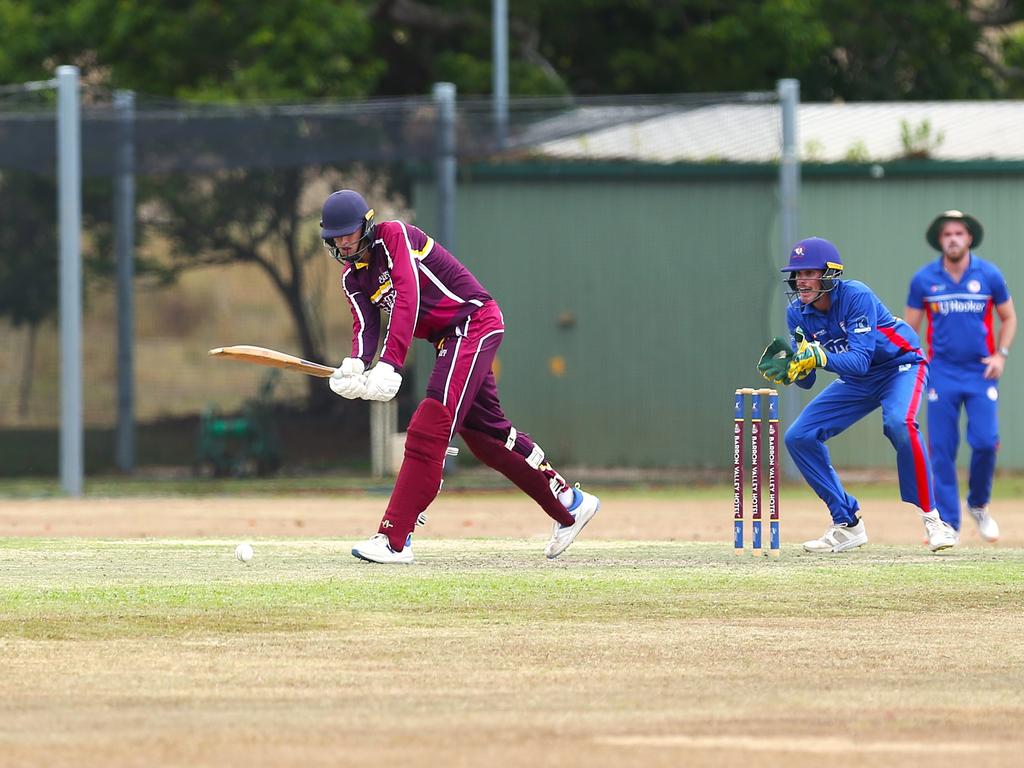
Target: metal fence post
pixel 499 78
pixel 383 428
pixel 69 235
pixel 124 249
pixel 444 95
pixel 789 220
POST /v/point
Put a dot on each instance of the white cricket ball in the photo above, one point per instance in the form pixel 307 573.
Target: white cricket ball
pixel 244 552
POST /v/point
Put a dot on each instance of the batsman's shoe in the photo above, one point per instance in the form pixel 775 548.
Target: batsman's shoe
pixel 940 535
pixel 377 549
pixel 583 509
pixel 987 527
pixel 839 538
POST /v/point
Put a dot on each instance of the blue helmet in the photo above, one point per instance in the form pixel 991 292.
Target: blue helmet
pixel 814 253
pixel 345 212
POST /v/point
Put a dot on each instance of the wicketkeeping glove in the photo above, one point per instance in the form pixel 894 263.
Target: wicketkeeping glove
pixel 348 379
pixel 773 367
pixel 382 382
pixel 808 356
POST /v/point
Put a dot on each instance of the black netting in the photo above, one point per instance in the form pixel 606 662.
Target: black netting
pixel 173 137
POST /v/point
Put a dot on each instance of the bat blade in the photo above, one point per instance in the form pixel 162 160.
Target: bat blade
pixel 271 357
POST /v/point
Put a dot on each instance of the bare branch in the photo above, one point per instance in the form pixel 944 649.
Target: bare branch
pixel 423 16
pixel 993 13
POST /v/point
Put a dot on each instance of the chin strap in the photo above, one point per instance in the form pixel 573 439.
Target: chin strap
pixel 341 258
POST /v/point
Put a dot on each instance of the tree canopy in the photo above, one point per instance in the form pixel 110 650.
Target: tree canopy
pixel 300 49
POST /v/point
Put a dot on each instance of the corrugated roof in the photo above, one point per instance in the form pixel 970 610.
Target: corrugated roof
pixel 866 131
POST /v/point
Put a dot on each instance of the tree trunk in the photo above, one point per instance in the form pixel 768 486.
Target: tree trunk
pixel 318 395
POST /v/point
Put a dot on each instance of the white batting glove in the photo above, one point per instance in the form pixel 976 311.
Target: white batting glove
pixel 348 380
pixel 382 383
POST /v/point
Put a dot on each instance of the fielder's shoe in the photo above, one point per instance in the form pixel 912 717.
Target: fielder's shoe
pixel 583 508
pixel 940 535
pixel 377 549
pixel 987 527
pixel 839 538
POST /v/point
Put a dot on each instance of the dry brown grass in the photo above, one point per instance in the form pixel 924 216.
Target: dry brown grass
pixel 698 677
pixel 175 326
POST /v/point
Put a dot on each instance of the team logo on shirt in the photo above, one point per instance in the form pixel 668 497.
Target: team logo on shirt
pixel 861 324
pixel 957 307
pixel 933 396
pixel 936 287
pixel 973 286
pixel 384 296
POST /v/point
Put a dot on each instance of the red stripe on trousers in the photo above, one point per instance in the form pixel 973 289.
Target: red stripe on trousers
pixel 920 471
pixel 915 435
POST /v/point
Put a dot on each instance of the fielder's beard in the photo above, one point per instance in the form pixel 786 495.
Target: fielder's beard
pixel 955 252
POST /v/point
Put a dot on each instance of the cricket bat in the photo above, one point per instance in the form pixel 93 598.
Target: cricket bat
pixel 272 358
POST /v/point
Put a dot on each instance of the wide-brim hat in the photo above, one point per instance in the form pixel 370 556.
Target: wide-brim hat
pixel 972 224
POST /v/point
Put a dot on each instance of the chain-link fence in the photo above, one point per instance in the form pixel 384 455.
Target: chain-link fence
pixel 226 202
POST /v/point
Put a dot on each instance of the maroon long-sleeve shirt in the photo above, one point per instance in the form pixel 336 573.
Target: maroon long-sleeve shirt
pixel 426 291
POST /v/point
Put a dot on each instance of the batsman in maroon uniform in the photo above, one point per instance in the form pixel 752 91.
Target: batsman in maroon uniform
pixel 428 294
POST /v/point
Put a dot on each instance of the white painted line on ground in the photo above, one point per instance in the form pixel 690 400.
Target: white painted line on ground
pixel 815 745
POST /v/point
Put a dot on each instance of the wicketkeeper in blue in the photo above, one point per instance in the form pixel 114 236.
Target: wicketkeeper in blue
pixel 841 326
pixel 959 292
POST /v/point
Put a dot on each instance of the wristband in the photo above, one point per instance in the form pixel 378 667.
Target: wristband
pixel 1004 351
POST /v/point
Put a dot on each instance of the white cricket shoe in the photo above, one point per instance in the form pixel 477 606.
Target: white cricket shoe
pixel 940 535
pixel 377 549
pixel 564 535
pixel 987 527
pixel 839 538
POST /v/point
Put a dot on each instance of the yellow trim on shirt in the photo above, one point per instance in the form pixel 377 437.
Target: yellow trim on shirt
pixel 381 291
pixel 425 250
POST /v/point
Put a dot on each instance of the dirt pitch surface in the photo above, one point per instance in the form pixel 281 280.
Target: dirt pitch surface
pixel 648 643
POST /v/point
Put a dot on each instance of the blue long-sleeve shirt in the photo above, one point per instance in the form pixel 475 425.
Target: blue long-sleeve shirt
pixel 861 337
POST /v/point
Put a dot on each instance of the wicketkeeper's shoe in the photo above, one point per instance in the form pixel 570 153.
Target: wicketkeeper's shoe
pixel 377 549
pixel 583 509
pixel 839 538
pixel 987 527
pixel 940 534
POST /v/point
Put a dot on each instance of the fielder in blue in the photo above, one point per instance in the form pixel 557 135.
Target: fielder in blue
pixel 958 292
pixel 842 327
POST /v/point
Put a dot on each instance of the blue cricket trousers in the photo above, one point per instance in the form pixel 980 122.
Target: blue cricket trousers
pixel 952 386
pixel 842 403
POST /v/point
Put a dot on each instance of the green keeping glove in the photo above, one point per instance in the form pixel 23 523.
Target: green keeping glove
pixel 776 370
pixel 808 356
pixel 773 367
pixel 779 344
